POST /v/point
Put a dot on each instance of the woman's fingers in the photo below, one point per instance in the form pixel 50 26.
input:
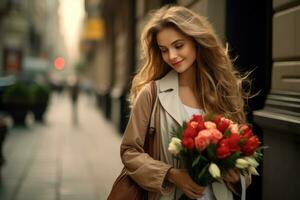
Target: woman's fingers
pixel 196 188
pixel 191 190
pixel 235 175
pixel 187 185
pixel 232 176
pixel 192 195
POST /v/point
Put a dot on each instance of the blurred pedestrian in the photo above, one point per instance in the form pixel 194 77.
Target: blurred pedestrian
pixel 74 94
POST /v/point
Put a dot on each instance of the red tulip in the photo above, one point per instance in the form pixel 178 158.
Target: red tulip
pixel 250 145
pixel 188 143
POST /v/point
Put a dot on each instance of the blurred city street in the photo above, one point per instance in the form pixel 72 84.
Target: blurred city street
pixel 60 160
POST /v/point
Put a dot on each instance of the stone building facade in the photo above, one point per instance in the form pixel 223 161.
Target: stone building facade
pixel 280 116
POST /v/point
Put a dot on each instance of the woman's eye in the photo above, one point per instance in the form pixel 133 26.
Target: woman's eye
pixel 178 46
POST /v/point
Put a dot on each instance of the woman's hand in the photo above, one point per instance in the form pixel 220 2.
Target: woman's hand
pixel 231 176
pixel 182 179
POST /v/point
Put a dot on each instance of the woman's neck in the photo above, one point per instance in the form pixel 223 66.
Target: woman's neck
pixel 187 88
pixel 188 78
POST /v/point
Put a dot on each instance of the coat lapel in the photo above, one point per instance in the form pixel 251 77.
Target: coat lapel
pixel 221 192
pixel 169 97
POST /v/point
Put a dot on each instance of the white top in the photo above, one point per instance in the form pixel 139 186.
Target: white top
pixel 192 111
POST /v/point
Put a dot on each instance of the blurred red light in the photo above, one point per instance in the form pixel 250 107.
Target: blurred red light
pixel 59 63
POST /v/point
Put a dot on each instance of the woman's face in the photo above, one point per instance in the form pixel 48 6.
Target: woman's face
pixel 177 50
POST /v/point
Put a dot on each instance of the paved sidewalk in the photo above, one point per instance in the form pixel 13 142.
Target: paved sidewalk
pixel 59 160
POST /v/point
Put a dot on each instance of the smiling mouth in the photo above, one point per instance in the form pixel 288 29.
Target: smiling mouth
pixel 176 63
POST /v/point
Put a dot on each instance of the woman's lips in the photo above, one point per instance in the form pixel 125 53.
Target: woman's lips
pixel 176 63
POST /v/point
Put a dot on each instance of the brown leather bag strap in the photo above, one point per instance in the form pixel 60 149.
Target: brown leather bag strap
pixel 149 138
pixel 154 102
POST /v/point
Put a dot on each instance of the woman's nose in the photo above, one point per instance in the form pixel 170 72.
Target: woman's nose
pixel 172 54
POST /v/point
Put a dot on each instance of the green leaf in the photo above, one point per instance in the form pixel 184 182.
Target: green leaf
pixel 175 131
pixel 211 151
pixel 210 116
pixel 261 148
pixel 203 158
pixel 204 169
pixel 227 133
pixel 184 152
pixel 196 161
pixel 242 142
pixel 230 161
pixel 258 156
pixel 178 132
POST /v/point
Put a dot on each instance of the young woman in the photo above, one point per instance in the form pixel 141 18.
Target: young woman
pixel 193 74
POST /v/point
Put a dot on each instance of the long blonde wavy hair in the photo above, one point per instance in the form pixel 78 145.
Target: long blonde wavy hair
pixel 218 83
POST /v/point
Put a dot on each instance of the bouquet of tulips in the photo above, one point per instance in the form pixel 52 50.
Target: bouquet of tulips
pixel 211 144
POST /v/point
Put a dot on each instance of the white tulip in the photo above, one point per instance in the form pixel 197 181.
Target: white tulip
pixel 253 171
pixel 241 163
pixel 252 161
pixel 175 146
pixel 214 170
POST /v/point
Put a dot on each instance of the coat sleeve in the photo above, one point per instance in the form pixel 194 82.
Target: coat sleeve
pixel 142 168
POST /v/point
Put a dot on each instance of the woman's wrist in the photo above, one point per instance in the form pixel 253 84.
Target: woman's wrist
pixel 171 175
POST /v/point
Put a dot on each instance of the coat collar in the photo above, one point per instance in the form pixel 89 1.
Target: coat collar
pixel 168 95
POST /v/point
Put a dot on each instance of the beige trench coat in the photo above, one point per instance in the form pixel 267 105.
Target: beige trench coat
pixel 149 172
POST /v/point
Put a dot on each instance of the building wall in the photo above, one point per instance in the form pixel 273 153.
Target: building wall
pixel 32 27
pixel 14 39
pixel 214 10
pixel 280 117
pixel 286 48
